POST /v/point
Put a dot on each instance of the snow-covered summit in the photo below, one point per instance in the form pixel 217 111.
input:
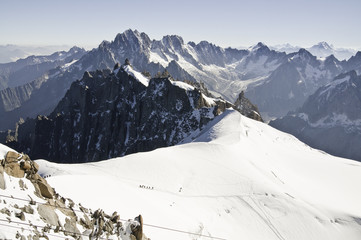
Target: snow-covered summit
pixel 136 75
pixel 322 46
pixel 237 179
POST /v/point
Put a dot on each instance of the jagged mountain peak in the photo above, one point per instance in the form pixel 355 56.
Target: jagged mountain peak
pixel 323 46
pixel 206 44
pixel 104 44
pixel 114 113
pixel 303 55
pixel 173 41
pixel 357 56
pixel 332 58
pixel 129 33
pixel 351 75
pixel 259 45
pixel 304 52
pixel 336 100
pixel 260 49
pixel 131 39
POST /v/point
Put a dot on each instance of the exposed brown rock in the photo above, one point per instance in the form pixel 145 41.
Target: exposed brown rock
pixel 5 211
pixel 36 167
pixel 27 209
pixel 20 215
pixel 137 230
pixel 2 180
pixel 48 214
pixel 13 169
pixel 12 157
pixel 25 165
pixel 43 188
pixel 70 227
pixel 22 185
pixel 248 109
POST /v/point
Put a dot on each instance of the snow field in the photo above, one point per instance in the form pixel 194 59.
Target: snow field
pixel 239 179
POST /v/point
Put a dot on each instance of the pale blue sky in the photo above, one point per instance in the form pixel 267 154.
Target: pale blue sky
pixel 225 23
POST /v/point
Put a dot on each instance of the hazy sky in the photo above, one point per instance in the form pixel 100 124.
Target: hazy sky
pixel 225 23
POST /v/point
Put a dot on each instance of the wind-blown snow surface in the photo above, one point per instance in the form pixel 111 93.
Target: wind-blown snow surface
pixel 239 179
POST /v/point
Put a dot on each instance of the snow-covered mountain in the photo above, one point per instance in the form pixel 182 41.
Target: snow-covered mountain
pixel 330 119
pixel 237 179
pixel 32 209
pixel 25 79
pixel 323 49
pixel 287 48
pixel 320 50
pixel 26 70
pixel 288 86
pixel 113 113
pixel 11 53
pixel 224 71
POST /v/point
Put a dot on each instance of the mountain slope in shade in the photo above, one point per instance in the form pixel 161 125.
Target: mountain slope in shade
pixel 238 179
pixel 330 119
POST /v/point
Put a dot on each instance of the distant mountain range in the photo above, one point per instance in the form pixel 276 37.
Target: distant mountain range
pixel 330 119
pixel 320 50
pixel 11 53
pixel 32 68
pixel 275 81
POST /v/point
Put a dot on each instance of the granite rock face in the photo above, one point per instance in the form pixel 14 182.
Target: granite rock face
pixel 114 113
pixel 247 108
pixel 108 114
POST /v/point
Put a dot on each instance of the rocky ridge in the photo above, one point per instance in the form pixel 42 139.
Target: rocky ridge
pixel 114 113
pixel 31 209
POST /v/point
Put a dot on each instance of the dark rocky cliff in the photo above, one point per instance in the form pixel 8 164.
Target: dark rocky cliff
pixel 112 113
pixel 105 115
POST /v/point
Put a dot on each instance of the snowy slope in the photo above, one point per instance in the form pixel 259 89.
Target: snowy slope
pixel 239 179
pixel 30 209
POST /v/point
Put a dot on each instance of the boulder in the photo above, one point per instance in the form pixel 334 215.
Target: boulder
pixel 25 165
pixel 137 230
pixel 20 215
pixel 48 214
pixel 12 157
pixel 44 188
pixel 35 167
pixel 2 179
pixel 13 169
pixel 70 227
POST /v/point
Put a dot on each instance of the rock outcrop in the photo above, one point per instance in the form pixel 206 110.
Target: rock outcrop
pixel 114 113
pixel 46 214
pixel 244 106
